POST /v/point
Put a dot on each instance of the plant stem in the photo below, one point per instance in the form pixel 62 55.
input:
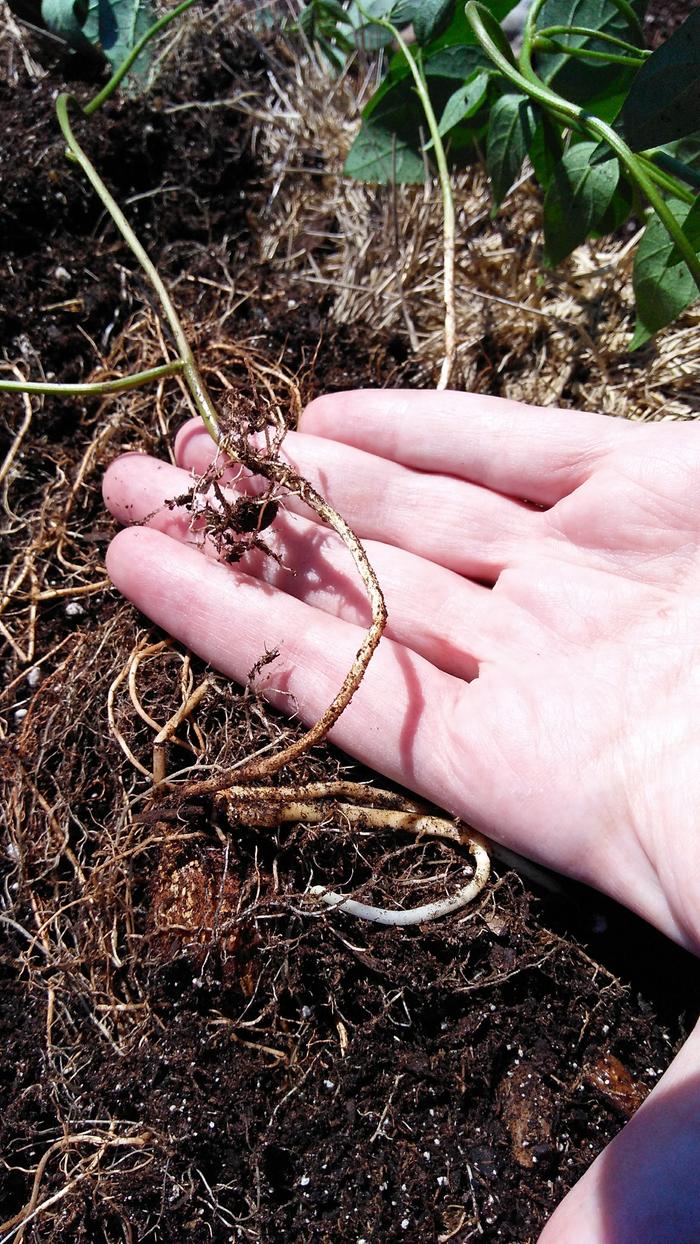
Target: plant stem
pixel 542 44
pixel 665 181
pixel 95 389
pixel 200 396
pixel 273 470
pixel 283 475
pixel 126 64
pixel 664 160
pixel 548 32
pixel 530 33
pixel 447 199
pixel 596 128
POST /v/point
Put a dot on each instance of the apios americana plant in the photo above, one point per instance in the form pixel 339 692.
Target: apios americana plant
pixel 240 440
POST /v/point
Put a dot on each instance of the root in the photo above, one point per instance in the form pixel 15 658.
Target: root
pixel 14 1228
pixel 314 803
pixel 281 475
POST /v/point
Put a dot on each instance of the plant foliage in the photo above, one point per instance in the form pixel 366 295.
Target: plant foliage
pixel 112 27
pixel 610 129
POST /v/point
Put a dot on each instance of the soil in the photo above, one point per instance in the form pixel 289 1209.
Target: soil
pixel 185 1053
pixel 663 17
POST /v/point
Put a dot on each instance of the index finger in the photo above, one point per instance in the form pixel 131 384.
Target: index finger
pixel 538 453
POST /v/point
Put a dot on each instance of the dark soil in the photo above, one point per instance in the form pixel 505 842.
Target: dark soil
pixel 663 17
pixel 194 1056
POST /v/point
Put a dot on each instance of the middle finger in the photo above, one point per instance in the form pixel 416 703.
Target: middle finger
pixel 455 524
pixel 452 622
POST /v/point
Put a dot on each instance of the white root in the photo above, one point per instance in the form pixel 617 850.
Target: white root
pixel 423 825
pixel 413 915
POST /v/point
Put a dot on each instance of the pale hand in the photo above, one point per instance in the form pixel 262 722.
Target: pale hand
pixel 540 674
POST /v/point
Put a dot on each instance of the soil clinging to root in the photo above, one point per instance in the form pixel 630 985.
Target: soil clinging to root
pixel 187 1050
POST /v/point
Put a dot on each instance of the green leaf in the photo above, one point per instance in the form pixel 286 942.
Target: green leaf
pixel 663 286
pixel 686 149
pixel 373 8
pixel 624 202
pixel 378 155
pixel 66 18
pixel 370 37
pixel 545 150
pixel 664 99
pixel 117 25
pixel 429 18
pixel 459 62
pixel 465 101
pixel 578 80
pixel 691 229
pixel 578 196
pixel 511 126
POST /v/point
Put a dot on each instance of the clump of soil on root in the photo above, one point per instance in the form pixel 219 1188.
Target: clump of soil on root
pixel 188 1049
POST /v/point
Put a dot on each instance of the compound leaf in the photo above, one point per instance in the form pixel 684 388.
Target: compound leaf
pixel 459 61
pixel 429 19
pixel 370 37
pixel 578 196
pixel 663 286
pixel 664 100
pixel 545 150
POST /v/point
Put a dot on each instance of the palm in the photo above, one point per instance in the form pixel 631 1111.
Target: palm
pixel 539 672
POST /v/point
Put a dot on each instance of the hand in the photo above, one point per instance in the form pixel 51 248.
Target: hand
pixel 539 677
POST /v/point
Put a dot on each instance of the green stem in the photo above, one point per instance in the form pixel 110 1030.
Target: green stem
pixel 664 160
pixel 548 32
pixel 551 46
pixel 95 389
pixel 665 181
pixel 445 187
pixel 530 33
pixel 195 383
pixel 125 66
pixel 596 128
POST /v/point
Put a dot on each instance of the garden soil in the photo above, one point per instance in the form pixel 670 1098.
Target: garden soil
pixel 187 1050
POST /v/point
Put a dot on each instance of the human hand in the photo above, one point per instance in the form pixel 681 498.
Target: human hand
pixel 539 675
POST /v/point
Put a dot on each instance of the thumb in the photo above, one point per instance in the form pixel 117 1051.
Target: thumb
pixel 646 1185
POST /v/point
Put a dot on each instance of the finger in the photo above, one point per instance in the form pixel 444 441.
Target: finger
pixel 538 453
pixel 644 1186
pixel 452 622
pixel 461 526
pixel 397 721
pixel 137 488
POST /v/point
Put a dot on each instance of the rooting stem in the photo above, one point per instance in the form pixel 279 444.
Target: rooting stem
pixel 200 396
pixel 283 475
pixel 96 388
